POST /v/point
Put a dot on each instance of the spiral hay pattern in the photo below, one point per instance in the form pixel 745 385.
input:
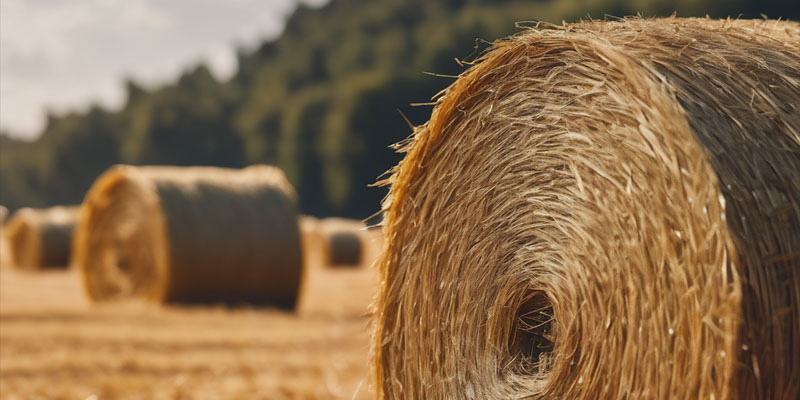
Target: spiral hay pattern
pixel 41 238
pixel 601 210
pixel 196 234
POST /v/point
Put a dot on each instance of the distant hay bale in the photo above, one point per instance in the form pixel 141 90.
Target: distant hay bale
pixel 41 238
pixel 191 234
pixel 602 210
pixel 5 258
pixel 312 240
pixel 345 248
pixel 337 242
pixel 343 241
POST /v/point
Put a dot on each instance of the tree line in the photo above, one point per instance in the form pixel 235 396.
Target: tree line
pixel 324 102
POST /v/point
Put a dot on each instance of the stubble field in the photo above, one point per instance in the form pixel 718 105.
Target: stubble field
pixel 55 345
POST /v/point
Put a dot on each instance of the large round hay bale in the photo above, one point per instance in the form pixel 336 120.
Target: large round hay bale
pixel 41 238
pixel 191 234
pixel 602 210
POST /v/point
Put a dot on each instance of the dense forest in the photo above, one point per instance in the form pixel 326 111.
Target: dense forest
pixel 323 102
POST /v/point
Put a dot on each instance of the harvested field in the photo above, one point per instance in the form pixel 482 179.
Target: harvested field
pixel 55 345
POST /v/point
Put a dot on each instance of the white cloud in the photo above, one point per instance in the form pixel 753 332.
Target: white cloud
pixel 60 56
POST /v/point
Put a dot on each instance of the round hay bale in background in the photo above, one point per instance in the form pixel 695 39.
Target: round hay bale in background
pixel 41 238
pixel 5 257
pixel 345 249
pixel 343 239
pixel 602 210
pixel 191 234
pixel 339 241
pixel 313 242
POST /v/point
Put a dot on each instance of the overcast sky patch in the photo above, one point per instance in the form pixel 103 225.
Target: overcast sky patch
pixel 59 56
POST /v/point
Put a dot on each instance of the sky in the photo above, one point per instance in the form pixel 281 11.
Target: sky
pixel 58 56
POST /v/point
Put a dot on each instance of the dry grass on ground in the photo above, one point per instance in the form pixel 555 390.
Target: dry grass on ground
pixel 55 345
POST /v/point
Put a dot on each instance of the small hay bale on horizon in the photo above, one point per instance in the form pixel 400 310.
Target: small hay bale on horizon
pixel 339 242
pixel 191 235
pixel 40 238
pixel 312 241
pixel 342 241
pixel 5 258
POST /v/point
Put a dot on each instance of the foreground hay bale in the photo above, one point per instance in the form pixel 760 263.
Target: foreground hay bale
pixel 41 238
pixel 602 210
pixel 199 234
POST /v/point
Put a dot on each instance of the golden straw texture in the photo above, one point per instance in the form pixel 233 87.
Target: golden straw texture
pixel 41 238
pixel 191 234
pixel 601 210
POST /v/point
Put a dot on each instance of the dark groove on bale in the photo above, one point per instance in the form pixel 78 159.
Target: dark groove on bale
pixel 759 175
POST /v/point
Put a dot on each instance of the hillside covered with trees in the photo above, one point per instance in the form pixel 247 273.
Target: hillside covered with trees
pixel 321 101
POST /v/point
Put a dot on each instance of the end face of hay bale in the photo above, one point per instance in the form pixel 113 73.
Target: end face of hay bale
pixel 568 225
pixel 121 243
pixel 41 238
pixel 192 235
